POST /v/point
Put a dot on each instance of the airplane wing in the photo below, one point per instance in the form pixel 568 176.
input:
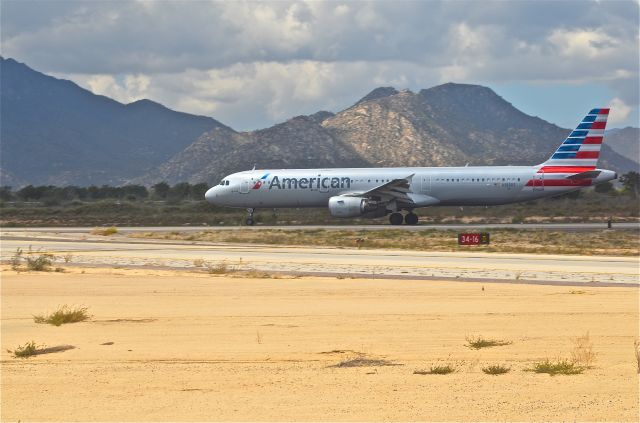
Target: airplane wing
pixel 397 189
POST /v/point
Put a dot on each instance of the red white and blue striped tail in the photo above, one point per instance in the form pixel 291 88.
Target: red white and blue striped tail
pixel 581 150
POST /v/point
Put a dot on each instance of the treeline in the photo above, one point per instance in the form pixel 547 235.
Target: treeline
pixel 52 194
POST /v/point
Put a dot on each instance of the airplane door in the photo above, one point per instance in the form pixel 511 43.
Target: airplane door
pixel 244 187
pixel 426 184
pixel 538 182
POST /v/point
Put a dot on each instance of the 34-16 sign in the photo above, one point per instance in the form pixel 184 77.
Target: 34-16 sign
pixel 473 239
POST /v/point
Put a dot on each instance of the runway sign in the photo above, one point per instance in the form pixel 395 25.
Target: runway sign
pixel 473 239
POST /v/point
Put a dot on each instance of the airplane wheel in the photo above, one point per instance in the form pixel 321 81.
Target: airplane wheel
pixel 249 221
pixel 411 219
pixel 395 219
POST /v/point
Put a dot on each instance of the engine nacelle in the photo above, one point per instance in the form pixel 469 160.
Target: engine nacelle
pixel 342 206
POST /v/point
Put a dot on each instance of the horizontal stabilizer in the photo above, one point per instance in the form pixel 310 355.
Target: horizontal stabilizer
pixel 590 174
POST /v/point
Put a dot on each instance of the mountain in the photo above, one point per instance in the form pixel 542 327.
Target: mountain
pixel 626 142
pixel 55 132
pixel 299 142
pixel 447 125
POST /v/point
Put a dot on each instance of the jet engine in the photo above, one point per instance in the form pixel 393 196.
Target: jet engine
pixel 342 206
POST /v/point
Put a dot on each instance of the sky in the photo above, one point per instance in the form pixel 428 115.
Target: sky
pixel 253 64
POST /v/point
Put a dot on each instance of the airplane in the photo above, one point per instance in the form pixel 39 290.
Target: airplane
pixel 377 192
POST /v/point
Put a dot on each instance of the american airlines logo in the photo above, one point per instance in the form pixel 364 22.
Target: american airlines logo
pixel 308 183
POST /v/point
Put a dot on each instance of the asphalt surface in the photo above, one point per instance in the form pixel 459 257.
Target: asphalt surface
pixel 460 227
pixel 84 249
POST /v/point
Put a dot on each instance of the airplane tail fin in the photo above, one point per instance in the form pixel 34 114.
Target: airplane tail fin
pixel 581 150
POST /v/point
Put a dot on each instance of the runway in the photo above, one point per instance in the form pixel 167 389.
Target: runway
pixel 454 227
pixel 80 248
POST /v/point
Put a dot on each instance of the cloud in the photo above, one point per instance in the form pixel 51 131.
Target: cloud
pixel 619 111
pixel 582 42
pixel 251 64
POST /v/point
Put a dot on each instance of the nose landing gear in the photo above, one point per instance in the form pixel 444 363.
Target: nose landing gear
pixel 249 220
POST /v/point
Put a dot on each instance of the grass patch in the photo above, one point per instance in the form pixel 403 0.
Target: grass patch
pixel 439 369
pixel 30 349
pixel 63 315
pixel 105 231
pixel 636 347
pixel 478 342
pixel 558 367
pixel 496 369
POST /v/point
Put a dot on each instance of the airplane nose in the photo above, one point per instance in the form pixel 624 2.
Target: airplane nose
pixel 210 195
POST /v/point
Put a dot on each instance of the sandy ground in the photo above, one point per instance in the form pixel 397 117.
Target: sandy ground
pixel 195 347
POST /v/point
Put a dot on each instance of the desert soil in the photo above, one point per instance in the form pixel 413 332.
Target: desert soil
pixel 194 347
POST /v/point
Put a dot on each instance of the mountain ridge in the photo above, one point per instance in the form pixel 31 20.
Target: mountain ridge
pixel 447 125
pixel 55 132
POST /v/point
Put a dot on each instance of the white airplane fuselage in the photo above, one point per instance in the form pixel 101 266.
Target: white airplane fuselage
pixel 443 186
pixel 376 192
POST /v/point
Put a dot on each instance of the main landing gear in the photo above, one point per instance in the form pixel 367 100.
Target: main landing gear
pixel 249 220
pixel 397 218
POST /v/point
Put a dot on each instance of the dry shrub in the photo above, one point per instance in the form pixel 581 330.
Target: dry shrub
pixel 219 268
pixel 105 231
pixel 558 367
pixel 30 349
pixel 63 315
pixel 438 369
pixel 582 352
pixel 478 342
pixel 496 369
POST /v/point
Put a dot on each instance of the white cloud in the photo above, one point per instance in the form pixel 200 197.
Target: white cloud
pixel 582 42
pixel 619 111
pixel 129 88
pixel 253 63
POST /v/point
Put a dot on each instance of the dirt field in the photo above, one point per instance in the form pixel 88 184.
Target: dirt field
pixel 196 347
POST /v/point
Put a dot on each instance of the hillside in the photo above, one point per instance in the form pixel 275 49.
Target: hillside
pixel 447 125
pixel 626 142
pixel 55 132
pixel 299 142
